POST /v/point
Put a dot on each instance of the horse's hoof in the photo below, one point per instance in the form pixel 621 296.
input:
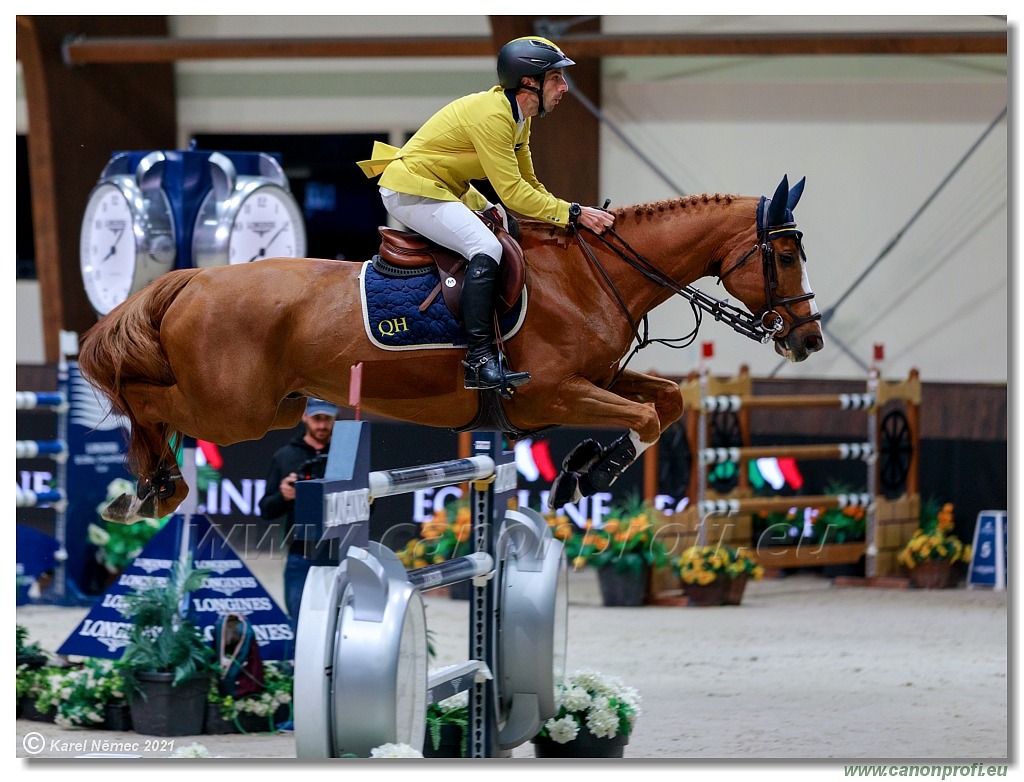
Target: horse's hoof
pixel 122 510
pixel 148 507
pixel 583 456
pixel 564 489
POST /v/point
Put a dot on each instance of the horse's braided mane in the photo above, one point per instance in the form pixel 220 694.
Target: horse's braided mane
pixel 649 208
pixel 683 202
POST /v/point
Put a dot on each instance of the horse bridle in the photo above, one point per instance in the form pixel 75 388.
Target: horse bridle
pixel 770 320
pixel 764 327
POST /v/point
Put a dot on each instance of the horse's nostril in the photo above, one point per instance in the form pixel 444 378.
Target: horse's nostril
pixel 813 343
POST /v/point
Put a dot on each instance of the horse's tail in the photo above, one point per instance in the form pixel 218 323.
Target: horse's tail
pixel 124 347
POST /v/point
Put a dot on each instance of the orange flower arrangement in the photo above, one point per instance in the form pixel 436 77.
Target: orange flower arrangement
pixel 443 536
pixel 934 540
pixel 627 540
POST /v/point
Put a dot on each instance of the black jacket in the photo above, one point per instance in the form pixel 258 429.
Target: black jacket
pixel 287 459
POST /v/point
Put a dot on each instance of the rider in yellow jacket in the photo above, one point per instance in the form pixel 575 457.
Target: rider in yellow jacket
pixel 486 135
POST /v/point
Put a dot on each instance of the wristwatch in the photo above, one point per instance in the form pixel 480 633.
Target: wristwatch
pixel 574 213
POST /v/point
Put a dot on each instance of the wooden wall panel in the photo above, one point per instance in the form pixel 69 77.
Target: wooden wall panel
pixel 77 117
pixel 566 143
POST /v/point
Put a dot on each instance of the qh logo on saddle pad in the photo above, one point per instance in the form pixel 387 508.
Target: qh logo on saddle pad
pixel 392 317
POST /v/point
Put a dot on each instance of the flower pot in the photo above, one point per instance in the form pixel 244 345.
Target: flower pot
pixel 30 712
pixel 461 590
pixel 734 588
pixel 585 745
pixel 712 594
pixel 117 716
pixel 625 588
pixel 215 724
pixel 32 662
pixel 244 722
pixel 158 709
pixel 449 746
pixel 933 574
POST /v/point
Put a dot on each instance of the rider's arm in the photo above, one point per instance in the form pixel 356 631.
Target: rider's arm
pixel 494 140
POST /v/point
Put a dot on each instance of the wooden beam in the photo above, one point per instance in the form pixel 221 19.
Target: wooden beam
pixel 76 119
pixel 86 50
pixel 785 44
pixel 83 50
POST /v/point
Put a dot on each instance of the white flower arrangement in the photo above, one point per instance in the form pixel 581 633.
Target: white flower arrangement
pixel 602 703
pixel 263 705
pixel 395 751
pixel 193 750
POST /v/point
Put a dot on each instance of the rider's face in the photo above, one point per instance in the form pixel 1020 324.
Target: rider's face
pixel 555 87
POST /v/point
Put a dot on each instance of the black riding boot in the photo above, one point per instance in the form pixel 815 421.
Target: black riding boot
pixel 483 369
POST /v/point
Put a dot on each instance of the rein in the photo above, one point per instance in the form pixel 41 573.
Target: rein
pixel 759 328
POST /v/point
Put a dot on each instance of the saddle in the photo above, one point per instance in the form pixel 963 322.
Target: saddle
pixel 408 250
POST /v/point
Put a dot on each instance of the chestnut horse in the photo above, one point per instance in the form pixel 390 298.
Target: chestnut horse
pixel 226 354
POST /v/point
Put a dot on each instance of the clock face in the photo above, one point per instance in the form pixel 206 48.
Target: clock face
pixel 268 225
pixel 107 248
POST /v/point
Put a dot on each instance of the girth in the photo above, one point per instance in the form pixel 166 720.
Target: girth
pixel 410 250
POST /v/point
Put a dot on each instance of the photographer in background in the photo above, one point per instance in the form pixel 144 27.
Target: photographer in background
pixel 303 458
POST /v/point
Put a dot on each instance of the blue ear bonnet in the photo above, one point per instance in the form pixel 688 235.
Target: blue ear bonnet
pixel 775 214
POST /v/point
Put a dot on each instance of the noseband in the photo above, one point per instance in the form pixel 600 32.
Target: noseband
pixel 773 324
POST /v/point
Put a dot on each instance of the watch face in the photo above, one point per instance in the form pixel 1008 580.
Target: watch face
pixel 268 225
pixel 107 248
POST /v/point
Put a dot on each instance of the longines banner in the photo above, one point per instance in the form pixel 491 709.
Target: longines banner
pixel 229 588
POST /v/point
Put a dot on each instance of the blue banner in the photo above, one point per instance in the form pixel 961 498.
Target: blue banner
pixel 988 550
pixel 35 553
pixel 97 441
pixel 229 588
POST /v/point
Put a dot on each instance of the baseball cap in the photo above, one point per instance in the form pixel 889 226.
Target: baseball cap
pixel 320 407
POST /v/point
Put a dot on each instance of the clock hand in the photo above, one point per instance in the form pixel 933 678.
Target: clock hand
pixel 113 247
pixel 263 251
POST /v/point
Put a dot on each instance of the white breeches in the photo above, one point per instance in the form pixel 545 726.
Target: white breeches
pixel 450 224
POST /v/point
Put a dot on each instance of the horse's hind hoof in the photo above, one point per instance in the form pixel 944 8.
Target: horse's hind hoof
pixel 583 456
pixel 122 510
pixel 564 489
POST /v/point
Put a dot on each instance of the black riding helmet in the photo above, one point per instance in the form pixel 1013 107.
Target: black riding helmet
pixel 530 56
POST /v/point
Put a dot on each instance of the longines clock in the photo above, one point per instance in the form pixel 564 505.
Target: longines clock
pixel 128 234
pixel 247 218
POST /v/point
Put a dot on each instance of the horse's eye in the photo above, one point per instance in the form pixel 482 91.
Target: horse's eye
pixel 787 259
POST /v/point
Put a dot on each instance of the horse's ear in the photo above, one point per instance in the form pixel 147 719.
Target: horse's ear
pixel 777 209
pixel 794 194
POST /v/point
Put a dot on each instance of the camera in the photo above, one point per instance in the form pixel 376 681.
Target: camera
pixel 313 468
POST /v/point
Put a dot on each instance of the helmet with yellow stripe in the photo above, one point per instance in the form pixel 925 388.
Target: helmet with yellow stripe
pixel 529 56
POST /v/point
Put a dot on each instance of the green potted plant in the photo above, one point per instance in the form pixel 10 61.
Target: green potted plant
pixel 259 712
pixel 623 550
pixel 447 722
pixel 40 691
pixel 933 551
pixel 167 664
pixel 93 696
pixel 596 715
